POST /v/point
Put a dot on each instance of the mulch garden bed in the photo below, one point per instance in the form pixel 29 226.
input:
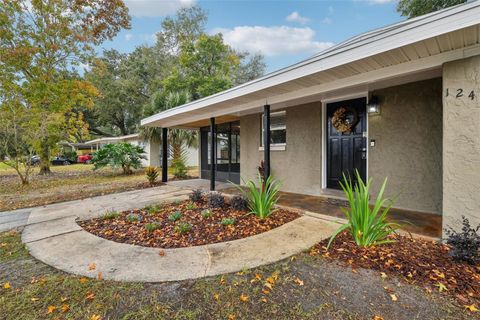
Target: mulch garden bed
pixel 167 234
pixel 416 261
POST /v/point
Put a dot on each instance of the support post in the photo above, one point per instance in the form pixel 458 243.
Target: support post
pixel 164 154
pixel 213 161
pixel 266 140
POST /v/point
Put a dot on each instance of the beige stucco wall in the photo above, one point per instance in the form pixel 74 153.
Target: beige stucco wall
pixel 461 142
pixel 408 150
pixel 299 165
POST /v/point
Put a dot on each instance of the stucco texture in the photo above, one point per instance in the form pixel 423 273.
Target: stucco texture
pixel 299 165
pixel 408 145
pixel 461 142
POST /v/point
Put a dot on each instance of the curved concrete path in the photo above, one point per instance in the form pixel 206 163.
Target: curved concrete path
pixel 53 236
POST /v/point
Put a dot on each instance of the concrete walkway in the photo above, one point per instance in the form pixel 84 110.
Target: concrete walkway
pixel 53 236
pixel 14 219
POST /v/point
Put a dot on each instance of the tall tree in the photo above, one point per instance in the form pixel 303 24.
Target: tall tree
pixel 41 43
pixel 415 8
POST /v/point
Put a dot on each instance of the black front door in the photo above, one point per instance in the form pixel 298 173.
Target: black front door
pixel 346 141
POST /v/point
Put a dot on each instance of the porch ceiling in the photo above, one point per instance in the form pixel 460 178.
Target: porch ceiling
pixel 408 51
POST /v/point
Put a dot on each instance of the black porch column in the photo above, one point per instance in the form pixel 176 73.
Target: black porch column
pixel 164 154
pixel 212 154
pixel 266 140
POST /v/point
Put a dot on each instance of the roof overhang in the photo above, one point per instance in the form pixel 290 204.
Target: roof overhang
pixel 112 139
pixel 407 51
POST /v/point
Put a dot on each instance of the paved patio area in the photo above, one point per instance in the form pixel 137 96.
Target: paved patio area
pixel 421 223
pixel 53 236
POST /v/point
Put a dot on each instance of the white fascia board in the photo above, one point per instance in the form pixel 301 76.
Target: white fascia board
pixel 433 25
pixel 400 70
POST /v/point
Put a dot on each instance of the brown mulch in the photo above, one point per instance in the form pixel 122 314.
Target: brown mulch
pixel 204 230
pixel 416 261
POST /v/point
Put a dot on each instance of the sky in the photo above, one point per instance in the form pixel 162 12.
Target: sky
pixel 285 31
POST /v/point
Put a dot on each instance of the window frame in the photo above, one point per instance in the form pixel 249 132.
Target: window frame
pixel 274 146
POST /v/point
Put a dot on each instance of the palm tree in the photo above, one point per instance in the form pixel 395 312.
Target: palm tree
pixel 178 139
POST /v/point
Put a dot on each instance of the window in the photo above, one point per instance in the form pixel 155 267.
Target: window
pixel 278 129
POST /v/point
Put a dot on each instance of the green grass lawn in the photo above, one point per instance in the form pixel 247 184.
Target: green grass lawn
pixel 66 183
pixel 302 287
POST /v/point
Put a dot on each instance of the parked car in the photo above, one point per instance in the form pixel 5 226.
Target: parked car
pixel 61 161
pixel 85 158
pixel 34 160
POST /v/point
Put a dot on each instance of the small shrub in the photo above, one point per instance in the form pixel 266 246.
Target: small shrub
pixel 111 214
pixel 216 200
pixel 367 225
pixel 152 226
pixel 206 213
pixel 465 243
pixel 183 227
pixel 152 174
pixel 175 216
pixel 119 155
pixel 191 206
pixel 262 198
pixel 133 217
pixel 227 221
pixel 196 195
pixel 239 203
pixel 154 209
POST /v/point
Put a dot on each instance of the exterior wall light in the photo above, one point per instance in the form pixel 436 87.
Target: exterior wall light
pixel 373 107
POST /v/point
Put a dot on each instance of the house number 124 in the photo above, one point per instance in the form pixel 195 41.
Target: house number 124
pixel 459 93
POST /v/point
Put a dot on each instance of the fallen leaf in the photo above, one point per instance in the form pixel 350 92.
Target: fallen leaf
pixel 92 266
pixel 7 285
pixel 222 280
pixel 90 296
pixel 65 308
pixel 471 308
pixel 161 253
pixel 383 275
pixel 264 300
pixel 258 276
pixel 271 280
pixel 394 297
pixel 216 296
pixel 35 299
pixel 63 299
pixel 377 318
pixel 95 317
pixel 231 317
pixel 265 291
pixel 83 280
pixel 100 275
pixel 51 309
pixel 298 281
pixel 268 285
pixel 441 287
pixel 243 297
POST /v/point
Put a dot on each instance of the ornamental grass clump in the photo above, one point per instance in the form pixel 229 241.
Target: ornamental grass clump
pixel 367 224
pixel 261 199
pixel 227 221
pixel 111 214
pixel 152 226
pixel 183 227
pixel 152 174
pixel 175 216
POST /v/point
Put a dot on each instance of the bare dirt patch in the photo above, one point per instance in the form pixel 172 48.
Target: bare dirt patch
pixel 172 221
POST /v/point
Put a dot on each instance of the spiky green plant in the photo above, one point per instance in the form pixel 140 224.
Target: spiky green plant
pixel 227 221
pixel 175 216
pixel 110 214
pixel 367 224
pixel 262 198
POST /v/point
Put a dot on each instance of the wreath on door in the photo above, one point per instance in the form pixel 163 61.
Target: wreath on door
pixel 344 119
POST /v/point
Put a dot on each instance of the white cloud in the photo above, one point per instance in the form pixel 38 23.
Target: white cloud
pixel 156 8
pixel 327 20
pixel 128 36
pixel 272 41
pixel 296 17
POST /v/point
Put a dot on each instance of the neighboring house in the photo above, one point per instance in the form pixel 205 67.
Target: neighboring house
pixel 400 102
pixel 152 149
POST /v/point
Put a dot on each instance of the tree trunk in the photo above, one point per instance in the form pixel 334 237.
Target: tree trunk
pixel 45 160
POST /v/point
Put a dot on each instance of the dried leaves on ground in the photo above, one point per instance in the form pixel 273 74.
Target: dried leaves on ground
pixel 219 225
pixel 416 261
